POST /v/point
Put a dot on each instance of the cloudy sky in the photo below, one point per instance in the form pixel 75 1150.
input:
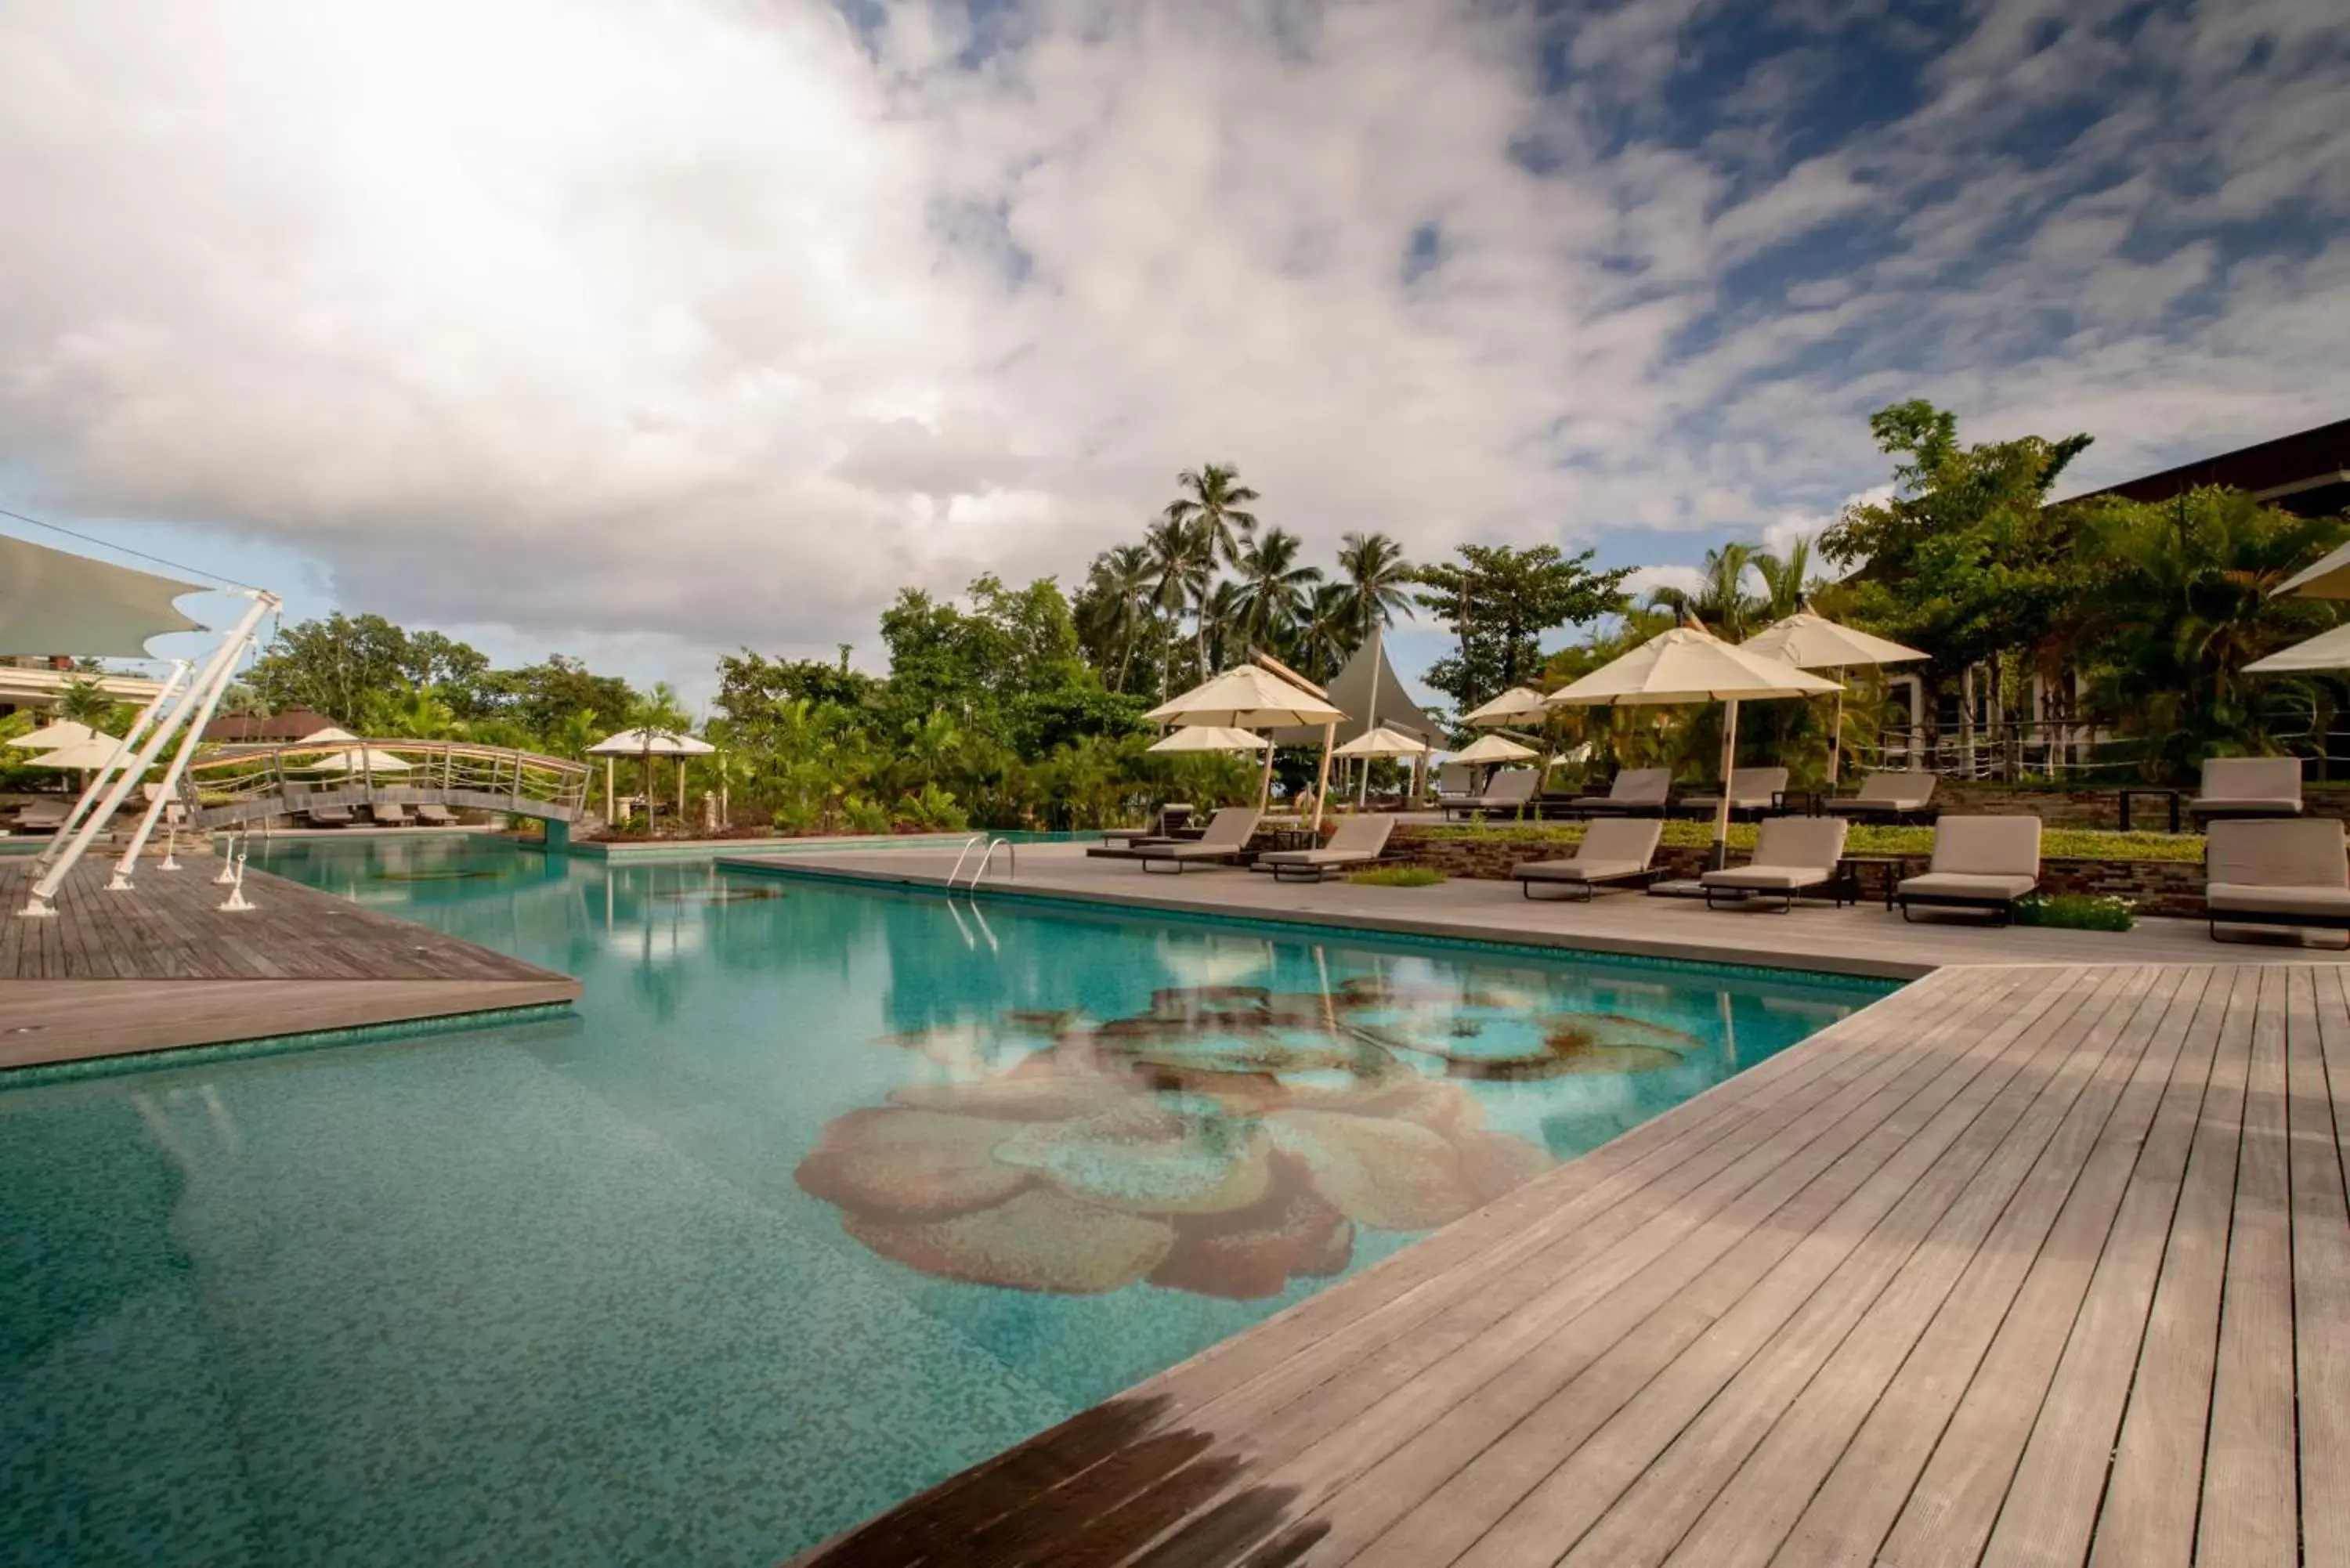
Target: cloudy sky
pixel 650 327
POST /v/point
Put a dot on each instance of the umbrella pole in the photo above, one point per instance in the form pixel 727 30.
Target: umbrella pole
pixel 1264 785
pixel 1718 856
pixel 1835 730
pixel 1321 785
pixel 608 793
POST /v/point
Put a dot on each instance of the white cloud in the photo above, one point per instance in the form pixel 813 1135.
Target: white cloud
pixel 660 328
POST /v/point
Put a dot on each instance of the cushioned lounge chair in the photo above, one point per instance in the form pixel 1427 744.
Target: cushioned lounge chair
pixel 1360 841
pixel 432 815
pixel 329 816
pixel 42 816
pixel 1792 854
pixel 1512 791
pixel 1163 822
pixel 1980 863
pixel 1614 851
pixel 2276 874
pixel 2248 786
pixel 1455 781
pixel 1633 791
pixel 1888 797
pixel 1751 790
pixel 1226 839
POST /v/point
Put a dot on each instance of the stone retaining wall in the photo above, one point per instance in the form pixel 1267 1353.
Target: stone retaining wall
pixel 2156 887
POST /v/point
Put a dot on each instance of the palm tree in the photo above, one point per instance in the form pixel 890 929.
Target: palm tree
pixel 1325 636
pixel 1215 509
pixel 1117 603
pixel 1273 588
pixel 1722 602
pixel 1220 626
pixel 1179 570
pixel 1786 579
pixel 1375 578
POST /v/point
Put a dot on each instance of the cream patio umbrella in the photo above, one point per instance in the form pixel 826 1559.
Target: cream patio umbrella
pixel 1209 738
pixel 1382 742
pixel 64 733
pixel 1811 641
pixel 366 760
pixel 1250 697
pixel 1690 664
pixel 1493 749
pixel 2327 651
pixel 2328 579
pixel 332 735
pixel 647 743
pixel 81 755
pixel 1518 705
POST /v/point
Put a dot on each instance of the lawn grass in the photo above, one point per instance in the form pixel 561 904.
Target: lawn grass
pixel 2055 842
pixel 1397 877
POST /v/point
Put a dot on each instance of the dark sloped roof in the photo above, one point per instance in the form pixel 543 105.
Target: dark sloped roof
pixel 2307 473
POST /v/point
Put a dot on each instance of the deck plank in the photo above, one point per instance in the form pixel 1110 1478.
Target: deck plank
pixel 2249 1506
pixel 2316 1021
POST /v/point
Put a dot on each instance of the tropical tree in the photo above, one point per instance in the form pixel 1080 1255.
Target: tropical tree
pixel 1213 509
pixel 1325 637
pixel 2182 600
pixel 1180 572
pixel 1114 609
pixel 1273 589
pixel 1720 600
pixel 1786 579
pixel 1376 581
pixel 1499 601
pixel 85 702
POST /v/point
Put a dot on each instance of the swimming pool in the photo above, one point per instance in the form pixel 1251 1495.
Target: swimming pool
pixel 825 1194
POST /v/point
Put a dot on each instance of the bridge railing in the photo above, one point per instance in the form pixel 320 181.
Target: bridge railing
pixel 248 781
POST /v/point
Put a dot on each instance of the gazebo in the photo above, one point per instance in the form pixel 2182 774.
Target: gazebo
pixel 646 744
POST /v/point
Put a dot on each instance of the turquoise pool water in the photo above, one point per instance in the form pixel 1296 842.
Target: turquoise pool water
pixel 824 1195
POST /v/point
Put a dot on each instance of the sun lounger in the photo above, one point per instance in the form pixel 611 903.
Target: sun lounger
pixel 1511 792
pixel 1164 822
pixel 2249 786
pixel 1360 841
pixel 1890 797
pixel 42 816
pixel 436 816
pixel 2276 874
pixel 329 816
pixel 1226 839
pixel 1792 854
pixel 389 814
pixel 1980 863
pixel 1455 781
pixel 1619 850
pixel 1633 792
pixel 1751 790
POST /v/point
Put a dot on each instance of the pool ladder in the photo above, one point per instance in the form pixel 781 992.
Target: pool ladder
pixel 986 858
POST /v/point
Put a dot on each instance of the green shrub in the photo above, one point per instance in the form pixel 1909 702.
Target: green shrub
pixel 2077 911
pixel 1398 877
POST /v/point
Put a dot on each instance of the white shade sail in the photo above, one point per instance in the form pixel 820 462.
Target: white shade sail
pixel 1247 697
pixel 651 743
pixel 1382 742
pixel 1686 665
pixel 1369 692
pixel 2327 651
pixel 1209 738
pixel 1518 705
pixel 365 760
pixel 94 752
pixel 1814 642
pixel 2328 579
pixel 1493 749
pixel 52 601
pixel 50 737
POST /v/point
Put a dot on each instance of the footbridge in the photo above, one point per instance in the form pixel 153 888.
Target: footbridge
pixel 252 784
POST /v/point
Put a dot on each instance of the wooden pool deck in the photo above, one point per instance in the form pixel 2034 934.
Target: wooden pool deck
pixel 2026 1264
pixel 165 967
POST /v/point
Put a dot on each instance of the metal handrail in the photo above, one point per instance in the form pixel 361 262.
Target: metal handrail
pixel 975 838
pixel 287 773
pixel 986 858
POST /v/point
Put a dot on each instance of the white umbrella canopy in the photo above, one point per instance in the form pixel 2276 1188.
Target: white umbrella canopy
pixel 1486 749
pixel 1814 642
pixel 2328 579
pixel 64 733
pixel 654 743
pixel 1382 742
pixel 1210 738
pixel 1516 705
pixel 366 759
pixel 1690 664
pixel 1248 697
pixel 94 752
pixel 2327 651
pixel 327 736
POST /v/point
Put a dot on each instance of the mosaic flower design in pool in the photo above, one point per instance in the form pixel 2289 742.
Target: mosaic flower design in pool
pixel 1225 1142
